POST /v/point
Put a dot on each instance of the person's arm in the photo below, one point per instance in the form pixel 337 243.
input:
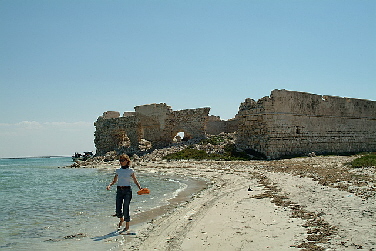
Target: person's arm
pixel 136 181
pixel 113 182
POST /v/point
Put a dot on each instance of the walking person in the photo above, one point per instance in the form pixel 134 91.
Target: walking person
pixel 123 177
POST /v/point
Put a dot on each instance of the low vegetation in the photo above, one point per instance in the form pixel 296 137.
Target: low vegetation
pixel 230 153
pixel 366 160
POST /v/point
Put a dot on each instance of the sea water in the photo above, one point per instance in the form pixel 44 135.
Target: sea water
pixel 43 207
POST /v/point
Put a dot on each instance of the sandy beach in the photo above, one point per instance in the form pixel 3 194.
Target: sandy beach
pixel 314 203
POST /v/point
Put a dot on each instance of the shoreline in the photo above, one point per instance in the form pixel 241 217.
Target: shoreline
pixel 181 197
pixel 193 185
pixel 293 205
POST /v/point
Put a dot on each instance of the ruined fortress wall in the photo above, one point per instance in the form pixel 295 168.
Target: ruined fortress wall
pixel 159 124
pixel 283 124
pixel 116 133
pixel 156 123
pixel 152 120
pixel 295 123
pixel 190 121
pixel 216 126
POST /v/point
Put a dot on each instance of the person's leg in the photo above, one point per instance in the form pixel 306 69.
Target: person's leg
pixel 127 201
pixel 119 203
pixel 121 222
pixel 119 206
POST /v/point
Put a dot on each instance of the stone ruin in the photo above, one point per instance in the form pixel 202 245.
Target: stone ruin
pixel 156 125
pixel 295 123
pixel 286 123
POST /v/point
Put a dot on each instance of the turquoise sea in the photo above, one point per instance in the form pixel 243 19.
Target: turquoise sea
pixel 44 207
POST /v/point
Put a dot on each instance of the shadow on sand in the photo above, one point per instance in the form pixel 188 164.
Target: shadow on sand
pixel 107 236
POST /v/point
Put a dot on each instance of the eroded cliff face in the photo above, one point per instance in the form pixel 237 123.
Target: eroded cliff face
pixel 291 123
pixel 286 123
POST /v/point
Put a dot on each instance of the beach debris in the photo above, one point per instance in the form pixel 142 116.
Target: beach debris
pixel 68 237
pixel 318 230
pixel 79 235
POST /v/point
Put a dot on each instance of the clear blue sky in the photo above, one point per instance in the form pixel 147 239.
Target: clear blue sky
pixel 64 62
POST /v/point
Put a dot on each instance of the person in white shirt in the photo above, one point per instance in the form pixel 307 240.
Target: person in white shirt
pixel 123 178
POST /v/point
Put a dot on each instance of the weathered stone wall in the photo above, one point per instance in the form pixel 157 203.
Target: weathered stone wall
pixel 215 125
pixel 190 121
pixel 116 134
pixel 156 123
pixel 111 114
pixel 153 122
pixel 296 123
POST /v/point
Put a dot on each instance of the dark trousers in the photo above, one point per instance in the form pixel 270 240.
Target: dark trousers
pixel 123 199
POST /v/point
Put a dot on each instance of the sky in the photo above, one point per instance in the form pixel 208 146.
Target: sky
pixel 65 62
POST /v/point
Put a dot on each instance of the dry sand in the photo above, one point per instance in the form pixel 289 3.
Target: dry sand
pixel 299 204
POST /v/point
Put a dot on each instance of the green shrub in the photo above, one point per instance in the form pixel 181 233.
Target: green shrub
pixel 364 161
pixel 187 153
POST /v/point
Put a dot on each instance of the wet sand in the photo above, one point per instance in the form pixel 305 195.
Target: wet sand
pixel 193 186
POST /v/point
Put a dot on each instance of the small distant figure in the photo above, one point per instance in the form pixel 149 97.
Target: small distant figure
pixel 249 189
pixel 312 154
